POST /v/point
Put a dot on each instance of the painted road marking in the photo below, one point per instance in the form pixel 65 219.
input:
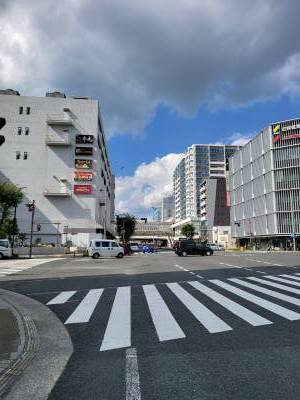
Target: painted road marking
pixel 165 324
pixel 276 285
pixel 242 312
pixel 86 307
pixel 62 297
pixel 291 277
pixel 207 318
pixel 132 377
pixel 199 276
pixel 268 305
pixel 118 330
pixel 275 278
pixel 270 292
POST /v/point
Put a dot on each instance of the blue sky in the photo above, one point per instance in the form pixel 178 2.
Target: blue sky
pixel 168 132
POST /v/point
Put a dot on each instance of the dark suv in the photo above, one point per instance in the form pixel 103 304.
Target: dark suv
pixel 189 247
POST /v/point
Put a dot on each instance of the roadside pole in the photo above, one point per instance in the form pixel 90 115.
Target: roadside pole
pixel 31 208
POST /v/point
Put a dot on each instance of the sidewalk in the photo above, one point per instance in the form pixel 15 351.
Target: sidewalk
pixel 34 348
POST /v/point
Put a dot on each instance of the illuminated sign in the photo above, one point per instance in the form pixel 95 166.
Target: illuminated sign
pixel 83 164
pixel 84 151
pixel 83 176
pixel 82 189
pixel 84 139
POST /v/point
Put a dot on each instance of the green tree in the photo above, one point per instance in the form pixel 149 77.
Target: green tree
pixel 125 226
pixel 10 197
pixel 9 228
pixel 188 230
pixel 22 238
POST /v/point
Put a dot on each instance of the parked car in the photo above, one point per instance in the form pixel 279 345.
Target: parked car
pixel 148 248
pixel 189 247
pixel 5 249
pixel 105 248
pixel 216 247
pixel 135 247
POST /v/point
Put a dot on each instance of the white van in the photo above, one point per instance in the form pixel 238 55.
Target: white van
pixel 5 249
pixel 105 248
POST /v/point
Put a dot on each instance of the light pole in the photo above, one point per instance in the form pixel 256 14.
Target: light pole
pixel 103 204
pixel 31 208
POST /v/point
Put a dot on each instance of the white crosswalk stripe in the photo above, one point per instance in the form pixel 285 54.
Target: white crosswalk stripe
pixel 165 324
pixel 288 281
pixel 118 328
pixel 118 331
pixel 297 278
pixel 242 312
pixel 62 297
pixel 207 318
pixel 86 308
pixel 268 305
pixel 12 267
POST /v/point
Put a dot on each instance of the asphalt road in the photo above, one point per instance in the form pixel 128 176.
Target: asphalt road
pixel 163 327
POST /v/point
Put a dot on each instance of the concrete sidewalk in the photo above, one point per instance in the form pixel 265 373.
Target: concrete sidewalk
pixel 34 348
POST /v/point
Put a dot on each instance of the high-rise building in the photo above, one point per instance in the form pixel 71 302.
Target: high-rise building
pixel 168 208
pixel 156 214
pixel 265 187
pixel 200 161
pixel 55 149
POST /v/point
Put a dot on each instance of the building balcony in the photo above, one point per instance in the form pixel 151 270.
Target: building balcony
pixel 57 191
pixel 55 139
pixel 59 119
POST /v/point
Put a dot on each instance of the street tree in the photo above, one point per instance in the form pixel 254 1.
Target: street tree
pixel 125 226
pixel 188 230
pixel 10 196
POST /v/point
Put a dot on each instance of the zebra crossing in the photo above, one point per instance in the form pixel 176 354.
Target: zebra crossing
pixel 246 299
pixel 12 267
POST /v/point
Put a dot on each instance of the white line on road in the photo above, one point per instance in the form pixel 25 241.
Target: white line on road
pixel 199 276
pixel 291 276
pixel 118 330
pixel 193 273
pixel 132 378
pixel 242 312
pixel 276 285
pixel 62 297
pixel 268 305
pixel 165 324
pixel 208 319
pixel 85 308
pixel 288 281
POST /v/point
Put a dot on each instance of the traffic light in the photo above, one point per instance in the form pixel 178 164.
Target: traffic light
pixel 2 124
pixel 38 227
pixel 144 219
pixel 30 207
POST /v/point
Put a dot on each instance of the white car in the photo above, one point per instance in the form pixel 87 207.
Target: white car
pixel 135 247
pixel 105 248
pixel 5 249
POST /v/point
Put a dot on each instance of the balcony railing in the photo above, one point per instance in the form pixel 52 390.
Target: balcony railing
pixel 59 119
pixel 55 139
pixel 57 191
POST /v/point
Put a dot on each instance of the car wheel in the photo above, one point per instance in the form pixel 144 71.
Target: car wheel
pixel 208 253
pixel 120 255
pixel 184 254
pixel 1 256
pixel 179 254
pixel 96 256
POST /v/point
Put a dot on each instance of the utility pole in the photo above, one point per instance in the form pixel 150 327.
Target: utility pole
pixel 293 222
pixel 31 208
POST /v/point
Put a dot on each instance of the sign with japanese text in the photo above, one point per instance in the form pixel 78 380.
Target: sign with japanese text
pixel 83 176
pixel 82 189
pixel 83 164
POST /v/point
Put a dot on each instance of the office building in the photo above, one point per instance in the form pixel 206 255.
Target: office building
pixel 156 214
pixel 55 149
pixel 264 183
pixel 200 161
pixel 168 209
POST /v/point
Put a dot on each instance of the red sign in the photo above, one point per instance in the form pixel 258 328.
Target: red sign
pixel 83 189
pixel 293 136
pixel 83 176
pixel 227 199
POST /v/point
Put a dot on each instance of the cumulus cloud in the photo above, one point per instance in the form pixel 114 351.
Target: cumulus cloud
pixel 145 189
pixel 239 139
pixel 135 55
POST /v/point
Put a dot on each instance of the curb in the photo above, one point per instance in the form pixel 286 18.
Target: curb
pixel 42 355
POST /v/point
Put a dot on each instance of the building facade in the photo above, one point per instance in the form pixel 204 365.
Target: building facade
pixel 265 187
pixel 200 161
pixel 168 208
pixel 55 149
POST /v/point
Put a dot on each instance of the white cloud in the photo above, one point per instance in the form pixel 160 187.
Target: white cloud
pixel 135 55
pixel 239 139
pixel 150 183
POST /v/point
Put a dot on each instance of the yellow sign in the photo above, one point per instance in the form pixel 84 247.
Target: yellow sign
pixel 276 129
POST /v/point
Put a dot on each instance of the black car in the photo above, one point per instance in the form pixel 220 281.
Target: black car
pixel 189 247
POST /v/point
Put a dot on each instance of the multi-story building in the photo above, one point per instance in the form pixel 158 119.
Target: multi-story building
pixel 156 214
pixel 168 208
pixel 55 149
pixel 200 161
pixel 265 187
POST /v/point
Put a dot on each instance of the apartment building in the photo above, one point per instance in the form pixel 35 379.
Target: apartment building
pixel 200 161
pixel 55 149
pixel 264 183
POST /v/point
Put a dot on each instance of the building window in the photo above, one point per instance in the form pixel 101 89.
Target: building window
pixel 27 110
pixel 21 110
pixel 25 155
pixel 26 131
pixel 18 155
pixel 19 131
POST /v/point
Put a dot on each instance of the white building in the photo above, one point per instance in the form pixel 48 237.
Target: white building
pixel 265 187
pixel 55 149
pixel 200 161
